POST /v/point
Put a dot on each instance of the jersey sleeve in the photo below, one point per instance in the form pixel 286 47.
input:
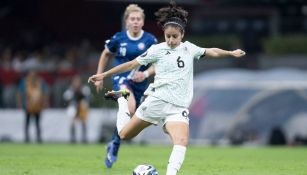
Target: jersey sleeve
pixel 111 44
pixel 151 38
pixel 154 40
pixel 196 51
pixel 150 56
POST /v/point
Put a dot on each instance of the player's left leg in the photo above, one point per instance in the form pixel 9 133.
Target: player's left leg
pixel 179 133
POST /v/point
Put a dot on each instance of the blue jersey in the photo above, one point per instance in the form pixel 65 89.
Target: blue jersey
pixel 125 48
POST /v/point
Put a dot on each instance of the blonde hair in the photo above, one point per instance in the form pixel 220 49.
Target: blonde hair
pixel 133 8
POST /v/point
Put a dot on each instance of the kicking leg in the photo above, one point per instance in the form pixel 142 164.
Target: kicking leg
pixel 128 127
pixel 133 127
pixel 125 108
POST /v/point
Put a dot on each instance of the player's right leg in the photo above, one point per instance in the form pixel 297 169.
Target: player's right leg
pixel 123 111
pixel 129 128
pixel 133 127
pixel 127 94
pixel 125 108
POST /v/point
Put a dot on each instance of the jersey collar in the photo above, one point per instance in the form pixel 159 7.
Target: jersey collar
pixel 168 47
pixel 135 38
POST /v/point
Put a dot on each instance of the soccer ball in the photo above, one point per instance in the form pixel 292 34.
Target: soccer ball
pixel 145 169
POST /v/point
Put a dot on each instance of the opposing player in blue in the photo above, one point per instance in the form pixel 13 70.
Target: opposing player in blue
pixel 125 46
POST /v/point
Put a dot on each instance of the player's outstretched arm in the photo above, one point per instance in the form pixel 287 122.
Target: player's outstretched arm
pixel 216 52
pixel 103 60
pixel 118 69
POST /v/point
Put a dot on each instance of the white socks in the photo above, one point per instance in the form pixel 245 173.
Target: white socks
pixel 123 114
pixel 176 159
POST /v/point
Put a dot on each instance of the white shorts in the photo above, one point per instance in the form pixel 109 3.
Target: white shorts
pixel 154 110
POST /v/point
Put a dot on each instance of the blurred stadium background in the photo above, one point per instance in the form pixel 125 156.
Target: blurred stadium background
pixel 258 100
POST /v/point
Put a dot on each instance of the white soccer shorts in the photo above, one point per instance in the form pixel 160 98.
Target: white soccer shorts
pixel 154 110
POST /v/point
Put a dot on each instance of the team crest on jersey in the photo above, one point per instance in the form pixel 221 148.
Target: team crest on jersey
pixel 141 46
pixel 186 50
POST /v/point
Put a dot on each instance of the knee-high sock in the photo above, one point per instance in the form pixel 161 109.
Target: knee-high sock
pixel 123 114
pixel 176 159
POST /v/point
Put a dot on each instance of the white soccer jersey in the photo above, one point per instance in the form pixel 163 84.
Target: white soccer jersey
pixel 174 71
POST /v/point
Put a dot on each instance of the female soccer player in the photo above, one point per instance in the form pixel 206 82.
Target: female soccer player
pixel 171 93
pixel 125 46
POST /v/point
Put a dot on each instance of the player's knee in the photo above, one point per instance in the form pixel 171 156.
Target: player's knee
pixel 131 108
pixel 124 136
pixel 181 141
pixel 132 111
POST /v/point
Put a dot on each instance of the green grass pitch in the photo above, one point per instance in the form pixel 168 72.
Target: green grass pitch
pixel 65 159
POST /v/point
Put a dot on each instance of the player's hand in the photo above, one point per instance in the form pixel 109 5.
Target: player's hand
pixel 99 85
pixel 238 53
pixel 97 77
pixel 138 77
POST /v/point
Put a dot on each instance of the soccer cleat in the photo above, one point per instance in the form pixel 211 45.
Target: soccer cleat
pixel 114 95
pixel 110 158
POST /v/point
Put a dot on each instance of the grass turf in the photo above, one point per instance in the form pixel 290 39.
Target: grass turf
pixel 61 159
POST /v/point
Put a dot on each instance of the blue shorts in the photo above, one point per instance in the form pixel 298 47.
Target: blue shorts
pixel 138 89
